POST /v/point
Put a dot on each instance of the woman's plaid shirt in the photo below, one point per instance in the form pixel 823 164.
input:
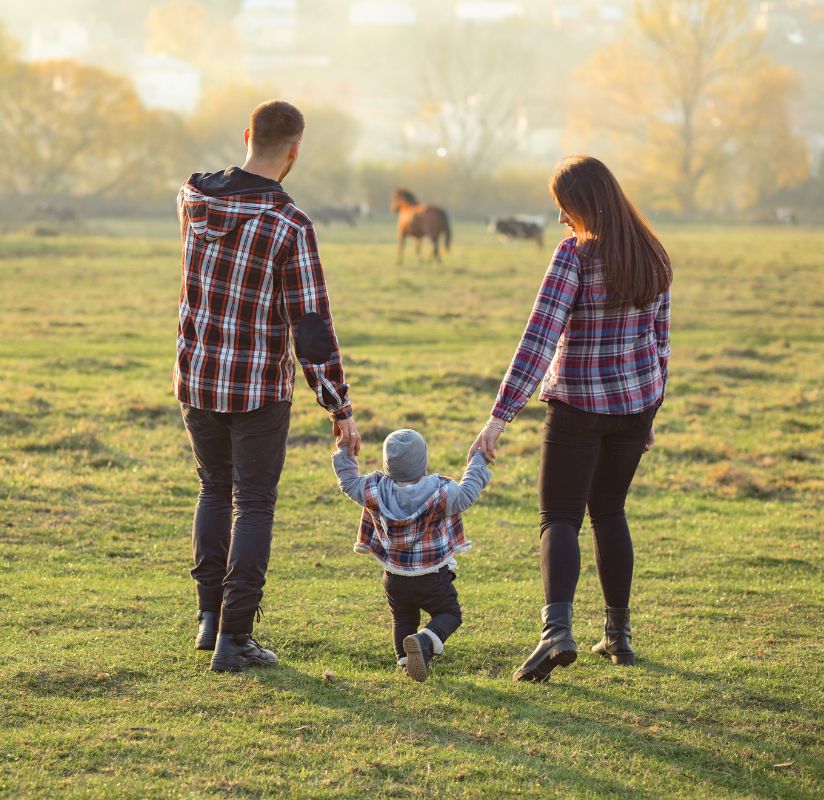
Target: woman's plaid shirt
pixel 598 359
pixel 251 271
pixel 418 545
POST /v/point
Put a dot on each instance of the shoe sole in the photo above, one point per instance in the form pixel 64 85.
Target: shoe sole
pixel 620 660
pixel 239 665
pixel 415 664
pixel 543 670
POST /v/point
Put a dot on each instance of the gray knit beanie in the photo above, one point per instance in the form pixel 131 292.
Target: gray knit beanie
pixel 405 456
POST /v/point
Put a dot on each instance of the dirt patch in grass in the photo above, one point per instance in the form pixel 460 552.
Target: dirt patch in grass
pixel 11 423
pixel 153 416
pixel 77 441
pixel 737 482
pixel 487 384
pixel 83 443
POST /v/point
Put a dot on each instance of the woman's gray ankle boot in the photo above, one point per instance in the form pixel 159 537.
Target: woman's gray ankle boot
pixel 557 647
pixel 617 642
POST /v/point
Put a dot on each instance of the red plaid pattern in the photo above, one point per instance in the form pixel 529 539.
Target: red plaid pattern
pixel 414 546
pixel 251 270
pixel 598 359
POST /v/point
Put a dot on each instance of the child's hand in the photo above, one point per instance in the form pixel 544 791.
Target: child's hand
pixel 342 443
pixel 346 433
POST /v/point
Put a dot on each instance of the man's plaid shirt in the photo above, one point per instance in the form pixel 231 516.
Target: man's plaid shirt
pixel 597 359
pixel 251 272
pixel 421 544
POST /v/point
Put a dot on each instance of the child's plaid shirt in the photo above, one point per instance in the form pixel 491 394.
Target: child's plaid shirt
pixel 419 544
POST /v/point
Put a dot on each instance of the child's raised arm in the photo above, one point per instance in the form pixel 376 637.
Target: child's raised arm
pixel 461 496
pixel 349 477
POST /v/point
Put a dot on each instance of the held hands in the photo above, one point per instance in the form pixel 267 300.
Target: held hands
pixel 346 435
pixel 486 439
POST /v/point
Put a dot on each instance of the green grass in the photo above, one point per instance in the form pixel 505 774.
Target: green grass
pixel 102 695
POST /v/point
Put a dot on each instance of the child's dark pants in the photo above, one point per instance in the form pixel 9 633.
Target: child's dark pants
pixel 433 593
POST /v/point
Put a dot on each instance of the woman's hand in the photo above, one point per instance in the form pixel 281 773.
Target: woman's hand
pixel 650 440
pixel 486 439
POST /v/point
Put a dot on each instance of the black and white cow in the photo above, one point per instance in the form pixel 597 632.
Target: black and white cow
pixel 326 215
pixel 520 226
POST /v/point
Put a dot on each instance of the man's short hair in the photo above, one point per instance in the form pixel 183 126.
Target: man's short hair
pixel 274 125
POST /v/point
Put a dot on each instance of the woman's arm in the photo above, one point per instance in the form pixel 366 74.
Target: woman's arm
pixel 549 317
pixel 662 338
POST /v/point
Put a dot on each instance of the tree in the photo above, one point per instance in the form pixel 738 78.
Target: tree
pixel 71 129
pixel 690 108
pixel 8 48
pixel 216 128
pixel 323 173
pixel 473 96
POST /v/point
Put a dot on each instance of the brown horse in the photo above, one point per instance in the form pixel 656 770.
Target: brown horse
pixel 418 220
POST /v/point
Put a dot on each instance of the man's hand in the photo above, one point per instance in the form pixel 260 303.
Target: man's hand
pixel 650 440
pixel 347 434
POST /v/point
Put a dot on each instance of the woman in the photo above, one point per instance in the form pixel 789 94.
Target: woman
pixel 598 335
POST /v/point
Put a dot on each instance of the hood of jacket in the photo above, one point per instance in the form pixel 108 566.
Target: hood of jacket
pixel 405 503
pixel 217 203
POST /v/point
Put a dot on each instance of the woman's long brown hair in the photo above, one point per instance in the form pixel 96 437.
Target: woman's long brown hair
pixel 636 265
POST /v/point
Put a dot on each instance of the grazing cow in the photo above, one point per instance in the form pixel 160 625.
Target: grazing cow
pixel 418 220
pixel 519 227
pixel 326 215
pixel 786 215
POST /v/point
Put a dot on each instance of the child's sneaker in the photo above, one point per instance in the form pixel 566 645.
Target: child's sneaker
pixel 419 649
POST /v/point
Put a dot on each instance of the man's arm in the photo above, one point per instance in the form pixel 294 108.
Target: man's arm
pixel 349 478
pixel 463 495
pixel 310 318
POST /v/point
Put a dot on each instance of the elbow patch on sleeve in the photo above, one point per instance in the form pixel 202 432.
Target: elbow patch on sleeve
pixel 313 341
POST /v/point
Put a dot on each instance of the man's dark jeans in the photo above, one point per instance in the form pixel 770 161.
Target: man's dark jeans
pixel 434 593
pixel 588 461
pixel 239 460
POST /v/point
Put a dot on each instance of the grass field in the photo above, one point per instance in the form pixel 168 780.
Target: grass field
pixel 102 694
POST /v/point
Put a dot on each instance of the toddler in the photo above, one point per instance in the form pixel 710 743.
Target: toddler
pixel 411 522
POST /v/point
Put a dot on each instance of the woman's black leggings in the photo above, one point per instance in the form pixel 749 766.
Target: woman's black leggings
pixel 588 461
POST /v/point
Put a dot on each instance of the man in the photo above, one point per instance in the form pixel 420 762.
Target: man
pixel 252 281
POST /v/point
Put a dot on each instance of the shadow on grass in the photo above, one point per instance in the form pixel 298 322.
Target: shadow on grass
pixel 354 702
pixel 703 764
pixel 752 353
pixel 742 373
pixel 153 416
pixel 743 697
pixel 83 443
pixel 11 423
pixel 80 684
